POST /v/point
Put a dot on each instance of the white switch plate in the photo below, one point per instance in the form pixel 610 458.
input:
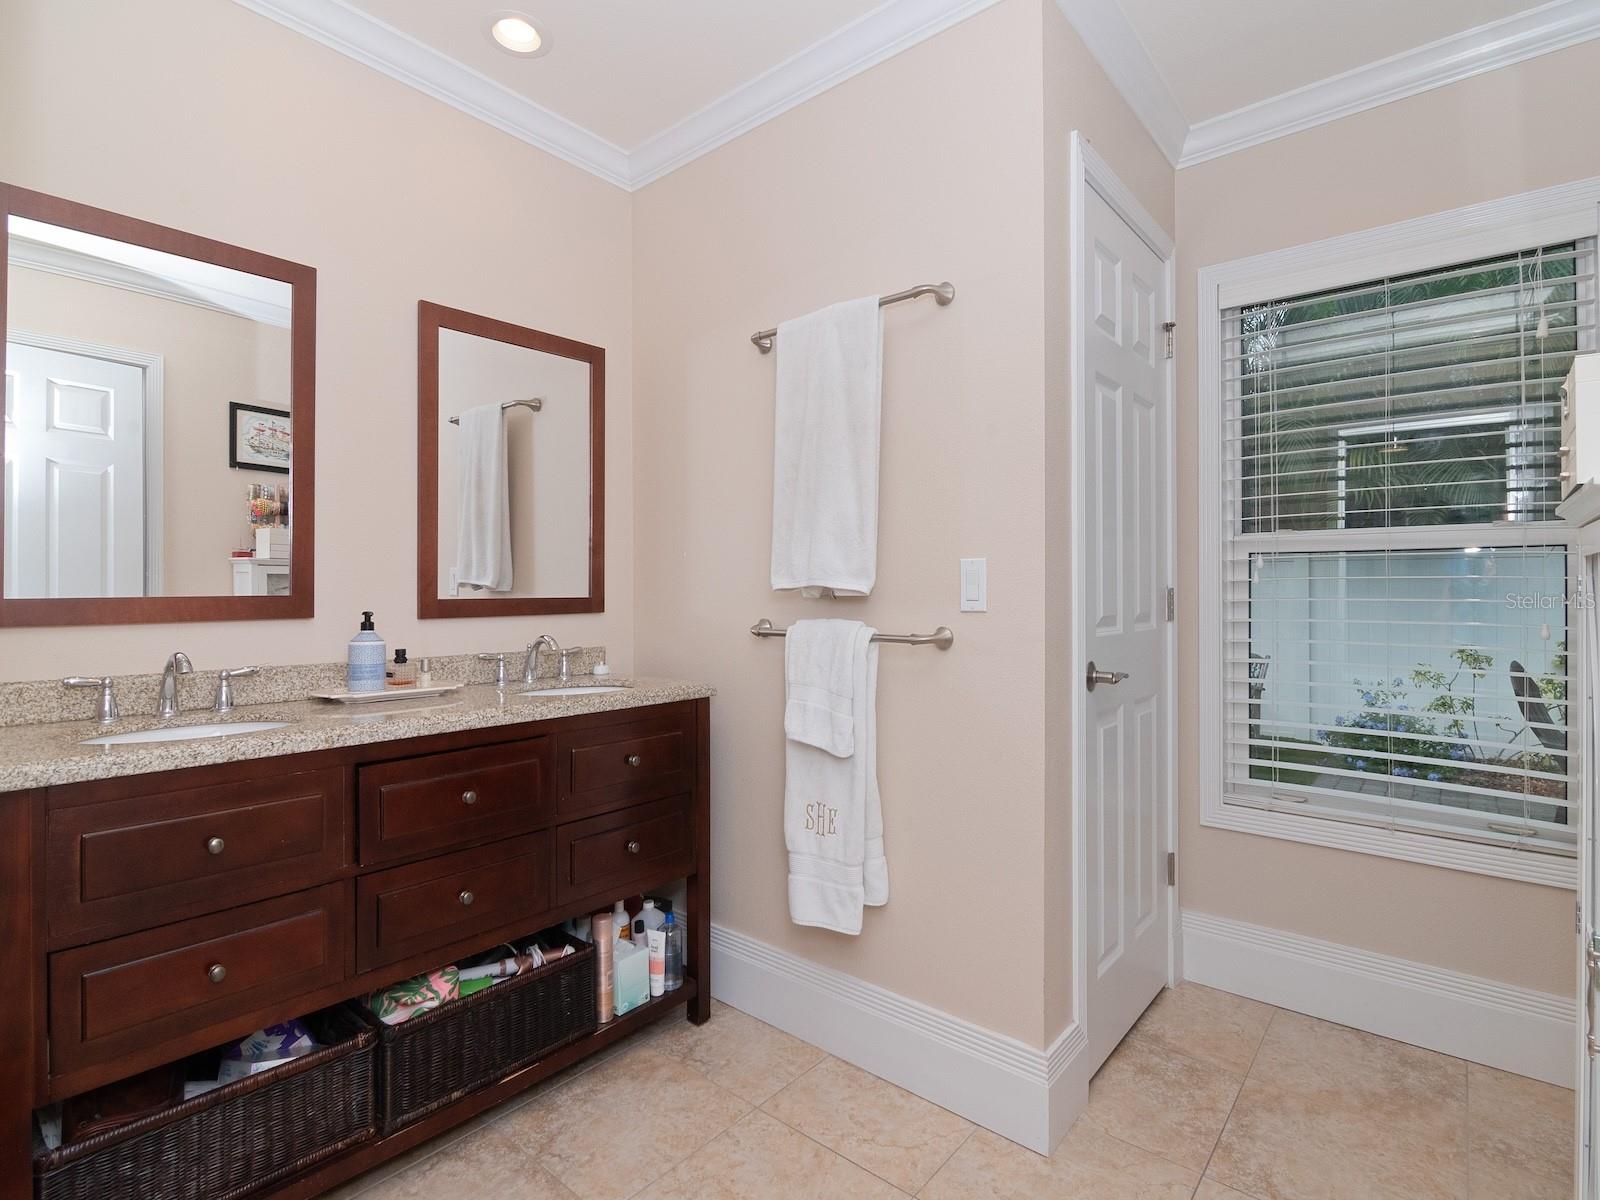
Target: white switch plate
pixel 974 585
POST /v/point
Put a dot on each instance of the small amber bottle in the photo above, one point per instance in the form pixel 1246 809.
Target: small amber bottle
pixel 401 673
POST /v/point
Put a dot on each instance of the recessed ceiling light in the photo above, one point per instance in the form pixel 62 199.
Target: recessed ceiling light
pixel 516 33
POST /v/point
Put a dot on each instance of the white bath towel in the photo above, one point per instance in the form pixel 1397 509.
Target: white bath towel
pixel 832 812
pixel 825 450
pixel 483 507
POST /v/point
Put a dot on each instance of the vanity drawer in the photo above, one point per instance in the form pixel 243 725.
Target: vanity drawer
pixel 626 763
pixel 445 801
pixel 121 997
pixel 142 860
pixel 635 846
pixel 435 903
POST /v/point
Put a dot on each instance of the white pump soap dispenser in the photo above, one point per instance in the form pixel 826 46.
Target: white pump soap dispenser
pixel 367 660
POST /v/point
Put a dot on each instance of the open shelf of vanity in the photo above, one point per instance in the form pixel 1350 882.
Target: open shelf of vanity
pixel 315 878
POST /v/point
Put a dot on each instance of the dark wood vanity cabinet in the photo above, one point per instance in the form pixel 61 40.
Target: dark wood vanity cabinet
pixel 155 916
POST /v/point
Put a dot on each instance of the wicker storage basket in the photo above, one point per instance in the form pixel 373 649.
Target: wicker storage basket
pixel 236 1140
pixel 459 1047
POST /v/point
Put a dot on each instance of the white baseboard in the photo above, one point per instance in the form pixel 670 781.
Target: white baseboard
pixel 1481 1020
pixel 1023 1093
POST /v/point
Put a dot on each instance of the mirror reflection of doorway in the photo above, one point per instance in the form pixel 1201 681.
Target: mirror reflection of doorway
pixel 82 455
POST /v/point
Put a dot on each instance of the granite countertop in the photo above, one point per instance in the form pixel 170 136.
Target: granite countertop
pixel 42 755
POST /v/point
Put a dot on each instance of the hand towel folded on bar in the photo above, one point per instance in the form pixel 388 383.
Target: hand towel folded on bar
pixel 825 450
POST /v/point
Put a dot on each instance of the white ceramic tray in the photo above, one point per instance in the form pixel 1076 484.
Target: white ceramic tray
pixel 388 693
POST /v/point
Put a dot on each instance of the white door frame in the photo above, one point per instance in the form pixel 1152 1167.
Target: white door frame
pixel 154 368
pixel 1089 170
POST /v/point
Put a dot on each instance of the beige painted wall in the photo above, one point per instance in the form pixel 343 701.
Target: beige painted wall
pixel 209 359
pixel 925 168
pixel 393 198
pixel 1491 136
pixel 1077 96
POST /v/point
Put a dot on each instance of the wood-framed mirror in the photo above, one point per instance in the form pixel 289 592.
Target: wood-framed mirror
pixel 159 429
pixel 511 469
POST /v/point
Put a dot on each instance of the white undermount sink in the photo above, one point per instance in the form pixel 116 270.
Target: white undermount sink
pixel 575 691
pixel 184 733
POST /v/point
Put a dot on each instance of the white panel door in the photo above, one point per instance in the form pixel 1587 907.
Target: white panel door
pixel 74 475
pixel 1128 917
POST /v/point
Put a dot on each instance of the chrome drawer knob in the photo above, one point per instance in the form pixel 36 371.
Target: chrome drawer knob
pixel 466 899
pixel 217 973
pixel 633 760
pixel 215 845
pixel 633 847
pixel 469 797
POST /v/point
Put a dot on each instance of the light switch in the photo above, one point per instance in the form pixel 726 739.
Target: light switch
pixel 974 585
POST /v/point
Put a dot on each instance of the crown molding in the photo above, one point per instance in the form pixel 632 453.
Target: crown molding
pixel 400 56
pixel 1488 47
pixel 864 43
pixel 847 52
pixel 1111 39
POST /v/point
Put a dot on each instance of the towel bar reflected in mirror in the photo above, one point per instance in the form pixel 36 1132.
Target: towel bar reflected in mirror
pixel 941 637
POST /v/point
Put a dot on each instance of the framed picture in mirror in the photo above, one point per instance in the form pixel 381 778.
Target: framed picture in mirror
pixel 160 413
pixel 259 439
pixel 511 462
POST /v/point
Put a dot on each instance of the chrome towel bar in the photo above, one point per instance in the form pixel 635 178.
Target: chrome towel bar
pixel 941 637
pixel 536 404
pixel 944 293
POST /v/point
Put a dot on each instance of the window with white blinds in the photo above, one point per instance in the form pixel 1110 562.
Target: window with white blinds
pixel 1395 582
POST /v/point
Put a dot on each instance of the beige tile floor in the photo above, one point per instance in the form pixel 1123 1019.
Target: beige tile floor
pixel 1211 1097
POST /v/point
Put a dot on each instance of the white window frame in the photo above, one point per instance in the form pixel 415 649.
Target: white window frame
pixel 1563 213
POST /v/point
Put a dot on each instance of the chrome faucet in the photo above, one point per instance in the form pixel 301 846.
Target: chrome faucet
pixel 178 664
pixel 224 697
pixel 108 698
pixel 531 663
pixel 499 661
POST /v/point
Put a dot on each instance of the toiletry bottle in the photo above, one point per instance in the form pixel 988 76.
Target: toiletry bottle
pixel 402 672
pixel 424 673
pixel 366 661
pixel 620 922
pixel 605 979
pixel 650 915
pixel 656 940
pixel 674 964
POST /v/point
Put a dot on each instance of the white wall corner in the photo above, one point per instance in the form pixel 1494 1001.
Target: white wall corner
pixel 1487 47
pixel 398 55
pixel 864 43
pixel 1106 31
pixel 1028 1095
pixel 1481 1020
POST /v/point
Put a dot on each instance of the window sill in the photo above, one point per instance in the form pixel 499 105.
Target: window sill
pixel 1548 870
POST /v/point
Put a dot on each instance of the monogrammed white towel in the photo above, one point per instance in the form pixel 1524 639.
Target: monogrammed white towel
pixel 832 813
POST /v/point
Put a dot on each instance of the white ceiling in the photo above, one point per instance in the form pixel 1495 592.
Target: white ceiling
pixel 632 89
pixel 626 69
pixel 1220 55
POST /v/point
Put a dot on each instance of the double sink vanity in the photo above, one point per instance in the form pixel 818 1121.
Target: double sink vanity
pixel 189 857
pixel 193 881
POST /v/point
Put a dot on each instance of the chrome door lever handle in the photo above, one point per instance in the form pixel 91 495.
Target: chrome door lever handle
pixel 1097 676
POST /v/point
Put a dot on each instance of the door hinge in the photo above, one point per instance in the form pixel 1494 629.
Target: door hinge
pixel 1172 869
pixel 1172 604
pixel 1168 328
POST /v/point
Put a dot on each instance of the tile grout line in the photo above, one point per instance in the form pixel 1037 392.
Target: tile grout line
pixel 699 1145
pixel 840 1154
pixel 971 1131
pixel 1255 1054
